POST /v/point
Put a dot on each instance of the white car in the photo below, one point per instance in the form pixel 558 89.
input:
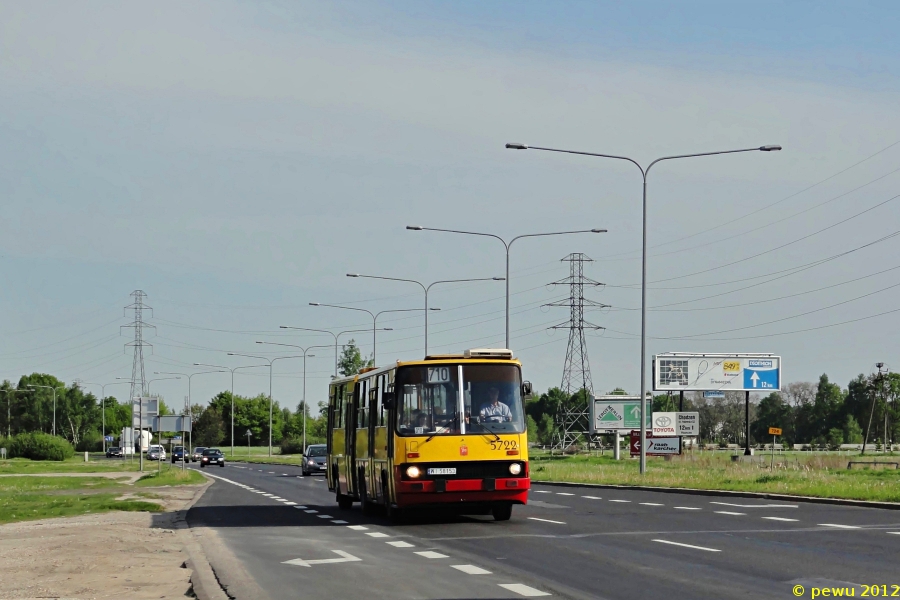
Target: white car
pixel 156 452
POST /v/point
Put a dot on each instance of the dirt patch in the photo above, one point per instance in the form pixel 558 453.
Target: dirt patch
pixel 111 555
pixel 128 477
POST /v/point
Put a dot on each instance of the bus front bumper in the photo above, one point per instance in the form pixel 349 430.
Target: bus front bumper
pixel 457 491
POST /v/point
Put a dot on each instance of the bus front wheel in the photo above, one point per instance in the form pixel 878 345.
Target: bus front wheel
pixel 502 512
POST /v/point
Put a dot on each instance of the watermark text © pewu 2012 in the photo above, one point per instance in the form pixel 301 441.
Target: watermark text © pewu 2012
pixel 891 590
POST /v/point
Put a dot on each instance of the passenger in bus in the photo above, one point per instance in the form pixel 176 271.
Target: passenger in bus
pixel 495 410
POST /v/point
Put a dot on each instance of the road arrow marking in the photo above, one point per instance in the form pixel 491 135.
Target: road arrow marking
pixel 347 557
pixel 754 378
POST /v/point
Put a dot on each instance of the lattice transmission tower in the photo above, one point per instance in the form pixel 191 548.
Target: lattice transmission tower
pixel 138 376
pixel 573 416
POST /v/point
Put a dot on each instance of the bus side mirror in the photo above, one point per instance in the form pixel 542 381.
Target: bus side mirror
pixel 387 400
pixel 526 389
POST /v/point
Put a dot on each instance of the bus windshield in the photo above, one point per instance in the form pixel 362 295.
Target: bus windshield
pixel 431 401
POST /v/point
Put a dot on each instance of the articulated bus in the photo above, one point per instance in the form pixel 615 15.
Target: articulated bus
pixel 447 431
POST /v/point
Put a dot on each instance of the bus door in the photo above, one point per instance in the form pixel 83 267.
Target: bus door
pixel 362 457
pixel 348 430
pixel 378 441
pixel 335 436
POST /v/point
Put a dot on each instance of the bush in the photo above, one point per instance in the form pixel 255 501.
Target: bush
pixel 40 446
pixel 292 446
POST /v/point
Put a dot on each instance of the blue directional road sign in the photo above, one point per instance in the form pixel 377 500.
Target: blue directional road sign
pixel 761 379
pixel 109 438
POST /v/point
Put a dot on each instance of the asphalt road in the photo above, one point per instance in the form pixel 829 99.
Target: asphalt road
pixel 569 542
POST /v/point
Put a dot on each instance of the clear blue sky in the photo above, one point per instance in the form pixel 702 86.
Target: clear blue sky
pixel 235 160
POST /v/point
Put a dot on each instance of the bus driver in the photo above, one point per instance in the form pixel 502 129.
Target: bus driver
pixel 495 411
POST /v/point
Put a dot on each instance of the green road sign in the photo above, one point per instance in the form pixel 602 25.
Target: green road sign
pixel 608 414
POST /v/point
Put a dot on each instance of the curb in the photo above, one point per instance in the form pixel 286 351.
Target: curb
pixel 733 494
pixel 203 579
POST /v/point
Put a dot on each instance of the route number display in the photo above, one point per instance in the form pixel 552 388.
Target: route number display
pixel 438 375
pixel 774 430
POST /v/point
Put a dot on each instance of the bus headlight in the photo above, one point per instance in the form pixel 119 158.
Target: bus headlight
pixel 515 468
pixel 413 472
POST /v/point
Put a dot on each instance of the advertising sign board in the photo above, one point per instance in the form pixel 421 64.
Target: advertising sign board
pixel 716 372
pixel 610 413
pixel 655 446
pixel 664 424
pixel 172 423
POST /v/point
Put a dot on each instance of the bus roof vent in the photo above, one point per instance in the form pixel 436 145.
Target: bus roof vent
pixel 488 353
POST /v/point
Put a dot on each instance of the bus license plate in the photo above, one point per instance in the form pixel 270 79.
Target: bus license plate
pixel 443 471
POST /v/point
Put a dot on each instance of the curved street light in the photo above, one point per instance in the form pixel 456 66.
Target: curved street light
pixel 426 290
pixel 644 173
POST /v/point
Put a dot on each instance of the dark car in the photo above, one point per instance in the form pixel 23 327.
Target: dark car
pixel 212 456
pixel 198 453
pixel 178 453
pixel 314 459
pixel 114 452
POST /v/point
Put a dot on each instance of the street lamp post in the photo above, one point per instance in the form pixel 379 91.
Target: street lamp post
pixel 232 392
pixel 426 289
pixel 374 318
pixel 507 246
pixel 271 361
pixel 190 406
pixel 49 387
pixel 331 333
pixel 305 355
pixel 644 173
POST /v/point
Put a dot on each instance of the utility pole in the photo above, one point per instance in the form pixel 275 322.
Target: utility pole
pixel 138 375
pixel 879 378
pixel 574 413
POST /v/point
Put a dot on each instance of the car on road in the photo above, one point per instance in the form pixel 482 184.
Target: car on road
pixel 212 456
pixel 314 459
pixel 197 454
pixel 156 452
pixel 178 453
pixel 114 452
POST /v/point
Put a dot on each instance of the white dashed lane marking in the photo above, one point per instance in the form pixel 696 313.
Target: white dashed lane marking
pixel 289 503
pixel 325 516
pixel 728 512
pixel 623 501
pixel 686 545
pixel 311 511
pixel 401 544
pixel 780 519
pixel 651 504
pixel 377 534
pixel 357 527
pixel 542 491
pixel 471 569
pixel 893 532
pixel 835 525
pixel 592 497
pixel 339 522
pixel 431 554
pixel 756 505
pixel 564 494
pixel 686 508
pixel 523 590
pixel 547 521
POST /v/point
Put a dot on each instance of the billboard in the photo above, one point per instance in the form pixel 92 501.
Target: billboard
pixel 171 423
pixel 611 413
pixel 142 412
pixel 716 372
pixel 655 446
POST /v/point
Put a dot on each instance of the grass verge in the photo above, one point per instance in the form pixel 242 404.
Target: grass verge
pixel 30 498
pixel 820 476
pixel 172 476
pixel 22 466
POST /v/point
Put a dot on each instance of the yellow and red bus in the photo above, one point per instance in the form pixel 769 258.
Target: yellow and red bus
pixel 447 431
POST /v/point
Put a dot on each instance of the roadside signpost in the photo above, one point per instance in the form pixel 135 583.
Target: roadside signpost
pixel 617 415
pixel 172 423
pixel 774 432
pixel 656 446
pixel 248 434
pixel 683 371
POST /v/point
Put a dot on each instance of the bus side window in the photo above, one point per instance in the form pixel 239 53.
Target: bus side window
pixel 339 408
pixel 348 416
pixel 373 405
pixel 363 395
